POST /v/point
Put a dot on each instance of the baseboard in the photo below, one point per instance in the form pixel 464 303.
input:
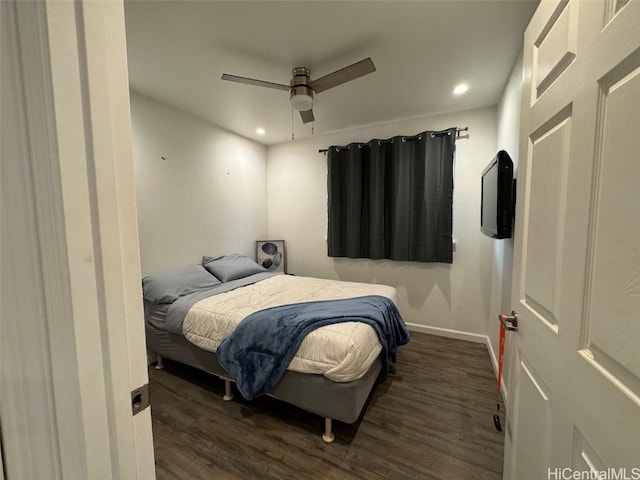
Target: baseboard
pixel 449 333
pixel 494 363
pixel 470 337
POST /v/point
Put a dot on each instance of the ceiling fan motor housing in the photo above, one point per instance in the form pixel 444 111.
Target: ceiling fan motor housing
pixel 301 88
pixel 301 96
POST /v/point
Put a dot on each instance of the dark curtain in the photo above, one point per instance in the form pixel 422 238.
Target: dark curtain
pixel 392 198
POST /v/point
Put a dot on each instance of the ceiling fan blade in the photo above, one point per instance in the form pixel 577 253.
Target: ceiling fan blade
pixel 344 75
pixel 251 81
pixel 307 116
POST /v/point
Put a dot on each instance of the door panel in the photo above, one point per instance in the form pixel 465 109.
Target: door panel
pixel 555 48
pixel 535 419
pixel 547 165
pixel 577 249
pixel 612 325
pixel 584 457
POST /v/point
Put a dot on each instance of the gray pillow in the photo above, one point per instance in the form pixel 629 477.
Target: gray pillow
pixel 168 286
pixel 231 267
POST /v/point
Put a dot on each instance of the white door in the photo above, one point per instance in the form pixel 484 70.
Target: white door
pixel 576 284
pixel 71 324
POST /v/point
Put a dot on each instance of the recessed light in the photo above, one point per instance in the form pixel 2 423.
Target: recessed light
pixel 260 131
pixel 460 89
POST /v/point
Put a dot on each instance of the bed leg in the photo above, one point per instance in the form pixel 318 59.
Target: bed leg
pixel 227 390
pixel 160 364
pixel 328 435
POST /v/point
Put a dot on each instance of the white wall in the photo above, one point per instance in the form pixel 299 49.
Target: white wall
pixel 208 197
pixel 212 191
pixel 508 139
pixel 453 296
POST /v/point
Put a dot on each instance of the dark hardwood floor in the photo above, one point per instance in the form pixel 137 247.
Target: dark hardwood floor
pixel 430 420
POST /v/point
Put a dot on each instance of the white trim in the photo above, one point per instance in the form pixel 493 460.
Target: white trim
pixel 469 337
pixel 45 380
pixel 492 356
pixel 73 140
pixel 110 156
pixel 449 333
pixel 78 347
pixel 494 364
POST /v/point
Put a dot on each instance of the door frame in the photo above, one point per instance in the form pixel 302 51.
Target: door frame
pixel 73 83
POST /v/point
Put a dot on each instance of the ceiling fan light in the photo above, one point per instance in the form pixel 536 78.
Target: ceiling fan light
pixel 302 102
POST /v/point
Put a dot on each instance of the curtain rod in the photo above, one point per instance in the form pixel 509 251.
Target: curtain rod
pixel 458 130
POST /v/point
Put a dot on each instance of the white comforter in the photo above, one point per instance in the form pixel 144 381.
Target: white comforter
pixel 342 352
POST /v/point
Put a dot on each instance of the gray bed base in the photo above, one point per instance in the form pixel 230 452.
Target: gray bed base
pixel 313 393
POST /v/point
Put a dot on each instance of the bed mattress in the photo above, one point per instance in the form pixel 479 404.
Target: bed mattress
pixel 342 352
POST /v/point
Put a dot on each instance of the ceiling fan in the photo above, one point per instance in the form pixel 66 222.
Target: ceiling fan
pixel 302 88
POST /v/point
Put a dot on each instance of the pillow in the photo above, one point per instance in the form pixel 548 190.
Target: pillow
pixel 168 286
pixel 231 267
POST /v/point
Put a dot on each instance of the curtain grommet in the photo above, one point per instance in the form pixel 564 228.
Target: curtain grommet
pixel 404 139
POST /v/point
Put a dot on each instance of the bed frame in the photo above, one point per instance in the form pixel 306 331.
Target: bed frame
pixel 314 393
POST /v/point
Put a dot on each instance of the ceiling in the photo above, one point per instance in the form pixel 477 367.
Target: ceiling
pixel 178 51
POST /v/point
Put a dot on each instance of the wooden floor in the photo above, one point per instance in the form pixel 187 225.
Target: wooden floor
pixel 430 420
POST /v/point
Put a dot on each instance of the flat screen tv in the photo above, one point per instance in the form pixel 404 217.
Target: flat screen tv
pixel 496 210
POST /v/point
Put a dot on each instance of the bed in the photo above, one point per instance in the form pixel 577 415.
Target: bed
pixel 192 315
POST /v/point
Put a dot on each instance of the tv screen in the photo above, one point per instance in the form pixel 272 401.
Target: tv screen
pixel 496 210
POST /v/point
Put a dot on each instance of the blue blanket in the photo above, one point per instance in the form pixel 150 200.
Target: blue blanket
pixel 259 350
